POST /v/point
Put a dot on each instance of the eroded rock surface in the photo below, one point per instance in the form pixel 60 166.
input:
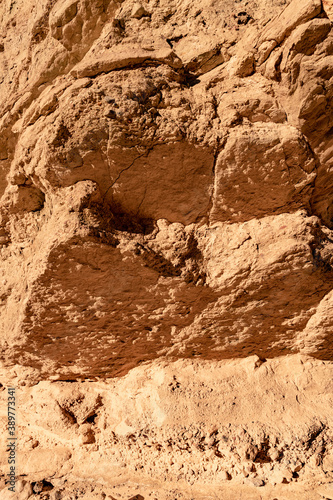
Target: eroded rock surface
pixel 182 430
pixel 134 178
pixel 166 194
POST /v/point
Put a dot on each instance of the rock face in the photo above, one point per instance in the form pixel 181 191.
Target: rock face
pixel 163 201
pixel 167 201
pixel 187 429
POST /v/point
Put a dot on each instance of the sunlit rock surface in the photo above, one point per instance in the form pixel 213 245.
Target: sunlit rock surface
pixel 167 216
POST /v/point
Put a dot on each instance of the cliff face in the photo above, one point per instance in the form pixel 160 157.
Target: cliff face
pixel 167 185
pixel 167 206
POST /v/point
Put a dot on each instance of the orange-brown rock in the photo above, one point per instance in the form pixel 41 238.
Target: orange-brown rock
pixel 166 215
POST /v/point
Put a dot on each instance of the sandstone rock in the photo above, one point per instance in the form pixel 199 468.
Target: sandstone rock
pixel 22 487
pixel 166 249
pixel 23 490
pixel 77 24
pixel 125 56
pixel 326 491
pixel 261 157
pixel 138 11
pixel 328 7
pixel 40 463
pixel 244 65
pixel 23 199
pixel 295 14
pixel 55 495
pixel 281 476
pixel 201 54
pixel 328 463
pixel 257 482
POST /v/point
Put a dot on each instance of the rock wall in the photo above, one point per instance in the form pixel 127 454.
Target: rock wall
pixel 166 207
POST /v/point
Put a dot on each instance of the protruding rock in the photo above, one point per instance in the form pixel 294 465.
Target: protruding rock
pixel 139 11
pixel 296 13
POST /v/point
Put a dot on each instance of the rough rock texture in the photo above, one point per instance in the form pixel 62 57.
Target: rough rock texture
pixel 188 429
pixel 167 194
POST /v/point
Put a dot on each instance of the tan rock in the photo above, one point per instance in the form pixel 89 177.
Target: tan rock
pixel 23 490
pixel 125 56
pixel 20 492
pixel 328 6
pixel 256 158
pixel 295 13
pixel 201 54
pixel 326 491
pixel 328 463
pixel 138 11
pixel 244 65
pixel 166 215
pixel 256 481
pixel 23 199
pixel 40 463
pixel 55 495
pixel 281 476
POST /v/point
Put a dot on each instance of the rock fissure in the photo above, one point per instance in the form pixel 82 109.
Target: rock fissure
pixel 120 173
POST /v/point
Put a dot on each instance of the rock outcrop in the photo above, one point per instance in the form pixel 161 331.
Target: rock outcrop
pixel 166 207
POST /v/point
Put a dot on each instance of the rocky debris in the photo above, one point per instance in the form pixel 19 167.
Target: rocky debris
pixel 139 11
pixel 125 56
pixel 294 15
pixel 253 424
pixel 23 490
pixel 326 491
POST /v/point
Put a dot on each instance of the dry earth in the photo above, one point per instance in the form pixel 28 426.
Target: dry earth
pixel 166 248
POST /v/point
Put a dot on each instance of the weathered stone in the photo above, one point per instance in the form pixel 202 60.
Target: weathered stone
pixel 138 11
pixel 295 14
pixel 166 242
pixel 328 463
